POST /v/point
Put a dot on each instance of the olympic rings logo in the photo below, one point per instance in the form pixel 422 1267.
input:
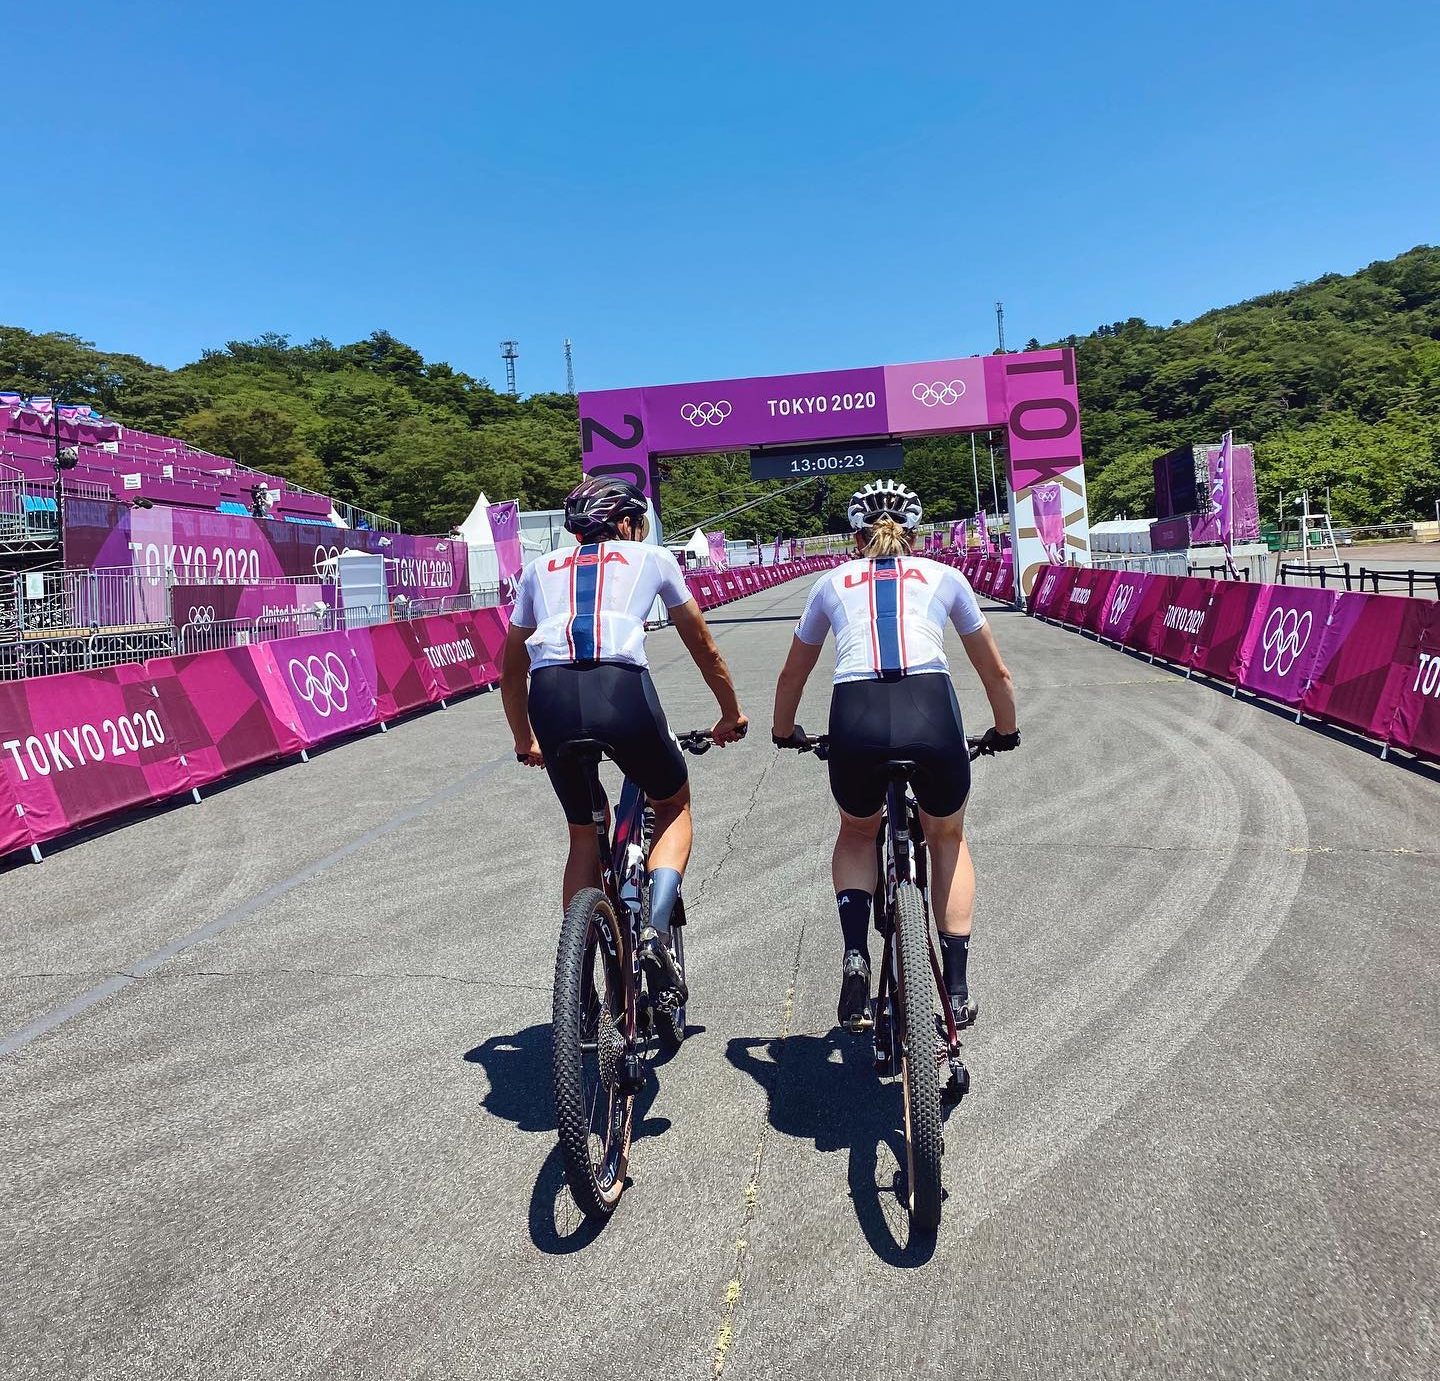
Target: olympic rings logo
pixel 938 394
pixel 705 414
pixel 322 555
pixel 322 683
pixel 1286 633
pixel 201 616
pixel 1121 603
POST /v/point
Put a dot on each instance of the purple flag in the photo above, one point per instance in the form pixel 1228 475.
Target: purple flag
pixel 984 529
pixel 1221 507
pixel 1049 519
pixel 717 550
pixel 505 529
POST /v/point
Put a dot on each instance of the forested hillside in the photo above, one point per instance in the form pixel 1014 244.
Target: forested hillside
pixel 1338 381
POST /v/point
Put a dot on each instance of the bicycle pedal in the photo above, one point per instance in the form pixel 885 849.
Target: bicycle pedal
pixel 857 1025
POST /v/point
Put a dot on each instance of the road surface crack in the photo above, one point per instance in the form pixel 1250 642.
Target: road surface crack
pixel 727 849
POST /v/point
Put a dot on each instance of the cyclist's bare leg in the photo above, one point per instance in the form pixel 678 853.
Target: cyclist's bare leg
pixel 582 868
pixel 852 865
pixel 952 874
pixel 674 831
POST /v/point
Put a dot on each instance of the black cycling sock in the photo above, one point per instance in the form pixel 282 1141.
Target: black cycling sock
pixel 854 908
pixel 954 954
pixel 664 889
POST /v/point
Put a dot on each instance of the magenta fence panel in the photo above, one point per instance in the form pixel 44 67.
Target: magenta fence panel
pixel 1280 652
pixel 401 680
pixel 77 747
pixel 1122 604
pixel 1225 623
pixel 1177 625
pixel 220 704
pixel 1360 682
pixel 325 683
pixel 1085 613
pixel 1416 722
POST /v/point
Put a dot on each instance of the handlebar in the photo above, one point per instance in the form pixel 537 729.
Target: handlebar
pixel 801 742
pixel 699 741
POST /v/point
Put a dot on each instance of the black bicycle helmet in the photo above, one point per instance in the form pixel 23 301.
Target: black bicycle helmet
pixel 597 506
pixel 884 499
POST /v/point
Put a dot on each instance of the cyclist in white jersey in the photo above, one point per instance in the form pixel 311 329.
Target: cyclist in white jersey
pixel 893 698
pixel 575 667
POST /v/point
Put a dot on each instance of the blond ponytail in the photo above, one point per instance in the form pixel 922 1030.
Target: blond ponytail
pixel 885 537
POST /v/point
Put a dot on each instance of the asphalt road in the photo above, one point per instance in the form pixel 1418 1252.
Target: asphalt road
pixel 274 1085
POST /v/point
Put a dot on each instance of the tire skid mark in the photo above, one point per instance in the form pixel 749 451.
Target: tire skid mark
pixel 1156 997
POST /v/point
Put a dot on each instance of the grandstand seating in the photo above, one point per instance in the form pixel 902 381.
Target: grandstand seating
pixel 128 464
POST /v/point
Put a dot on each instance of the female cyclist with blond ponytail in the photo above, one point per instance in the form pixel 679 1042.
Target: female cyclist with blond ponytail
pixel 893 698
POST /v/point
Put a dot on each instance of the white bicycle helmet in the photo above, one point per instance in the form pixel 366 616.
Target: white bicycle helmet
pixel 884 499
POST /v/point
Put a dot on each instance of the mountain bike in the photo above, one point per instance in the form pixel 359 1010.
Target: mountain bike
pixel 911 1042
pixel 606 1025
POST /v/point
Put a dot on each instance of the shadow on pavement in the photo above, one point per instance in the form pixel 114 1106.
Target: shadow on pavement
pixel 517 1068
pixel 823 1089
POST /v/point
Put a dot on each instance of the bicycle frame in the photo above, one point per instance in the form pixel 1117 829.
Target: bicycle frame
pixel 622 873
pixel 901 857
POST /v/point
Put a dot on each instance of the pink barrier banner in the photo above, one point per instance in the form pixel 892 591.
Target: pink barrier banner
pixel 220 705
pixel 401 679
pixel 1122 604
pixel 1153 598
pixel 1280 652
pixel 13 834
pixel 488 627
pixel 1225 623
pixel 79 746
pixel 1100 583
pixel 1417 712
pixel 1175 632
pixel 457 656
pixel 1052 589
pixel 1072 612
pixel 325 685
pixel 1362 678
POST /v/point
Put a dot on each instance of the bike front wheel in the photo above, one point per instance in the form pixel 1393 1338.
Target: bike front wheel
pixel 594 1101
pixel 919 1073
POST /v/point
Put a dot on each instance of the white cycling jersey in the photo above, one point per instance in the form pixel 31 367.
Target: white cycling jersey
pixel 889 615
pixel 589 604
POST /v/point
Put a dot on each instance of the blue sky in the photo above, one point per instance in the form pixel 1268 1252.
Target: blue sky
pixel 692 192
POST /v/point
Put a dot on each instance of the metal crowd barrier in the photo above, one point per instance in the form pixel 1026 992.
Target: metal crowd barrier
pixel 1427 580
pixel 1221 572
pixel 1309 572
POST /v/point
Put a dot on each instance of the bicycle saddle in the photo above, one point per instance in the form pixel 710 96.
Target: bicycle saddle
pixel 590 748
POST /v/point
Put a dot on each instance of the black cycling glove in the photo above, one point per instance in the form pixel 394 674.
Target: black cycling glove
pixel 995 742
pixel 796 739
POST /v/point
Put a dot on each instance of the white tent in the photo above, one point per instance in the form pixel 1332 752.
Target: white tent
pixel 699 544
pixel 475 530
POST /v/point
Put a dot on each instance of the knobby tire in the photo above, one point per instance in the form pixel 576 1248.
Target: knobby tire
pixel 591 946
pixel 919 1073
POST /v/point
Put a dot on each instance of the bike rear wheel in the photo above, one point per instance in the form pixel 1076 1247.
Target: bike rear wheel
pixel 593 1107
pixel 919 1074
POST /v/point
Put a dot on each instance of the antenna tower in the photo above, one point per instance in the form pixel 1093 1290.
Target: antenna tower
pixel 510 352
pixel 569 370
pixel 1000 324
